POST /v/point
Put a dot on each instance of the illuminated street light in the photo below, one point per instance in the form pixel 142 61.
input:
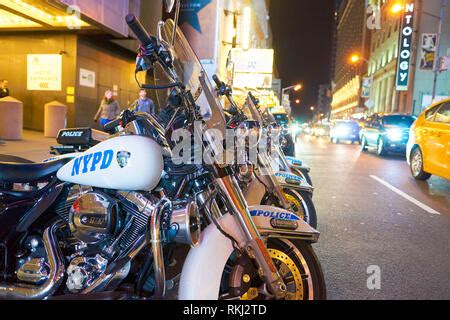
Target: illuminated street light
pixel 356 58
pixel 313 108
pixel 397 8
pixel 297 101
pixel 296 88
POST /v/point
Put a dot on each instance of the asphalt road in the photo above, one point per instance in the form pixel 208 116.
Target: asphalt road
pixel 372 213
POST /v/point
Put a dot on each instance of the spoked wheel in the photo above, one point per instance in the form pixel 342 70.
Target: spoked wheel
pixel 417 166
pixel 297 264
pixel 302 205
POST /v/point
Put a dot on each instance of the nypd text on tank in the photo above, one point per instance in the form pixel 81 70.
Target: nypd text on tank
pixel 92 162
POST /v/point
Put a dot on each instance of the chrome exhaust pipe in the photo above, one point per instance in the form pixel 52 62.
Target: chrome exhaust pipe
pixel 56 274
pixel 156 245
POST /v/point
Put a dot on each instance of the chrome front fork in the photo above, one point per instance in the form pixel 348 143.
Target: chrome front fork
pixel 269 176
pixel 254 245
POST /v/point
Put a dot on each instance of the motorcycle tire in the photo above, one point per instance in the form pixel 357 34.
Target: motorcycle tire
pixel 301 271
pixel 301 202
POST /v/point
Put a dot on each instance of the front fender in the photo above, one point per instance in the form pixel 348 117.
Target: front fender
pixel 297 164
pixel 203 268
pixel 291 181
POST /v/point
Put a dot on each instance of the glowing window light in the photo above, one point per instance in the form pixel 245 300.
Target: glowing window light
pixel 9 20
pixel 47 18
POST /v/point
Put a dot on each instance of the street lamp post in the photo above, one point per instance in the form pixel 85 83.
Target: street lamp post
pixel 296 87
pixel 438 48
pixel 284 99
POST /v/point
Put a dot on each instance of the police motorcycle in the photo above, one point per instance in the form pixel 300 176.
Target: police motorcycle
pixel 113 222
pixel 266 179
pixel 288 164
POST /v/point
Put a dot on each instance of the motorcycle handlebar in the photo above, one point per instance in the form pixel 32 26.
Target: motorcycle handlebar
pixel 217 81
pixel 139 31
pixel 110 127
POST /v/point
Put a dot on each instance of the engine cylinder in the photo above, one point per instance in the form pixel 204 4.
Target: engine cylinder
pixel 93 217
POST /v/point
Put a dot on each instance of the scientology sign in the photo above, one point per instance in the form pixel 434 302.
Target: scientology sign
pixel 405 47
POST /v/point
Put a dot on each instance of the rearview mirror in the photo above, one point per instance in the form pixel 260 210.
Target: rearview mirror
pixel 169 4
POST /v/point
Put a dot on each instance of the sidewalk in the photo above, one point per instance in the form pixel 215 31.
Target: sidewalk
pixel 34 146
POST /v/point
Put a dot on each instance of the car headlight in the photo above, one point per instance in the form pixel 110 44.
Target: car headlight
pixel 394 134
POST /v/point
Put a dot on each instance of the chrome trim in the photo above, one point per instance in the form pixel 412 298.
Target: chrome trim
pixel 56 274
pixel 157 251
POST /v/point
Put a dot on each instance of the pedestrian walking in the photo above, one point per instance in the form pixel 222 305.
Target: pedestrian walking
pixel 144 104
pixel 109 109
pixel 4 91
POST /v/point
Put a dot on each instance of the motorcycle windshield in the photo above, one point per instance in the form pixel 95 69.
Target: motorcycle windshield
pixel 191 74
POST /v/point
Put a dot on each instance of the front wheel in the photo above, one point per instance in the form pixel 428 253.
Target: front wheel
pixel 296 262
pixel 364 146
pixel 381 149
pixel 304 173
pixel 300 203
pixel 308 179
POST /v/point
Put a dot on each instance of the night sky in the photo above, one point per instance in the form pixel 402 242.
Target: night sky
pixel 302 39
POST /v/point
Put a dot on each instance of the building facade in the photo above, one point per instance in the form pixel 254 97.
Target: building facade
pixel 423 74
pixel 71 51
pixel 222 30
pixel 397 68
pixel 351 37
pixel 382 62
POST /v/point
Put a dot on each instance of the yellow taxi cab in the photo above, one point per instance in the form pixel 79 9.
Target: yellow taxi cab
pixel 428 150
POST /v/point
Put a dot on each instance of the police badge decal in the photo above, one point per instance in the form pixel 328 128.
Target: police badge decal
pixel 122 158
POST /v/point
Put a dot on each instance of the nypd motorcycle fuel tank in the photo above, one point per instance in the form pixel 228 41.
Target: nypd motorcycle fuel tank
pixel 131 163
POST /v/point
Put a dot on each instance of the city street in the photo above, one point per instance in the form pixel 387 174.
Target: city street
pixel 362 220
pixel 135 100
pixel 365 223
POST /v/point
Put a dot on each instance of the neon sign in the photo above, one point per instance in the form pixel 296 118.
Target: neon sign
pixel 405 46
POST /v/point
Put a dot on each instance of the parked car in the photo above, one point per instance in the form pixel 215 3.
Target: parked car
pixel 428 151
pixel 344 130
pixel 387 133
pixel 321 130
pixel 307 129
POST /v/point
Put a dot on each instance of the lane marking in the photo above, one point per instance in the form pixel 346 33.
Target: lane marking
pixel 406 196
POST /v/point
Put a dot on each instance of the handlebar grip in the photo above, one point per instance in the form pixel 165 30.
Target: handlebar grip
pixel 138 30
pixel 110 127
pixel 217 81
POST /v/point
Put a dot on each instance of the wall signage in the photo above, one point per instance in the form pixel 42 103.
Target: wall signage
pixel 405 46
pixel 44 72
pixel 87 78
pixel 428 52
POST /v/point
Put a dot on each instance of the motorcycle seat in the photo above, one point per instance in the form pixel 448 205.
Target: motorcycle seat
pixel 13 172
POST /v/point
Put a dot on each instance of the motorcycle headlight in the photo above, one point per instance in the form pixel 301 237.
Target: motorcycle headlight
pixel 394 134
